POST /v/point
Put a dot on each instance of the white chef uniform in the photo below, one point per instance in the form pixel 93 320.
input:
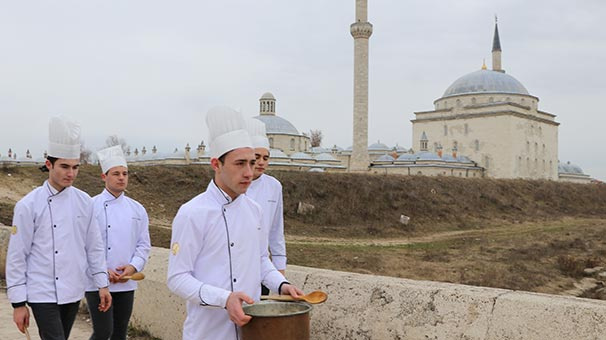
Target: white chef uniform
pixel 217 248
pixel 267 192
pixel 55 243
pixel 217 244
pixel 124 228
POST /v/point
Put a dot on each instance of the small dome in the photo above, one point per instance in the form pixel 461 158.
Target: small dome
pixel 407 157
pixel 485 81
pixel 385 158
pixel 301 156
pixel 267 95
pixel 428 156
pixel 325 157
pixel 277 153
pixel 319 149
pixel 279 125
pixel 569 168
pixel 378 146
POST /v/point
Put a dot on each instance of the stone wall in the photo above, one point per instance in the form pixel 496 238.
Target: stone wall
pixel 374 307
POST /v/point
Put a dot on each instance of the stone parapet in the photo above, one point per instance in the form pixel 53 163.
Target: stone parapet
pixel 375 307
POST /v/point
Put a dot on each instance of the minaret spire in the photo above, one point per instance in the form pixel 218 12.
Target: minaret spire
pixel 496 48
pixel 360 30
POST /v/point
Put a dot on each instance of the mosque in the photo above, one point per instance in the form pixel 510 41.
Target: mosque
pixel 486 124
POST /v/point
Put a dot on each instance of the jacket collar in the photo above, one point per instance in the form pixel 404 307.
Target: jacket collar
pixel 109 198
pixel 52 191
pixel 219 195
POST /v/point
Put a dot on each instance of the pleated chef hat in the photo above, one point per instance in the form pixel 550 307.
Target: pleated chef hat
pixel 63 138
pixel 227 131
pixel 111 157
pixel 256 130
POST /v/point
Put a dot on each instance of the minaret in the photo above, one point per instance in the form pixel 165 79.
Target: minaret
pixel 496 49
pixel 361 31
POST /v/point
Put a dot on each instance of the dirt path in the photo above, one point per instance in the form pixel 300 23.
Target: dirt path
pixel 439 236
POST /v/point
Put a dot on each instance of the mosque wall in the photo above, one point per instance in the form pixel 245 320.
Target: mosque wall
pixel 536 149
pixel 480 139
pixel 289 144
pixel 428 170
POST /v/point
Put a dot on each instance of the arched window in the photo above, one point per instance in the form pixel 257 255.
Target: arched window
pixel 477 145
pixel 292 143
pixel 458 102
pixel 473 100
pixel 466 129
pixel 491 100
pixel 271 142
pixel 445 130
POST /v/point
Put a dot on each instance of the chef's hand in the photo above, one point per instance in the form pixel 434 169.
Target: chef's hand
pixel 105 299
pixel 21 318
pixel 288 289
pixel 113 276
pixel 127 270
pixel 234 308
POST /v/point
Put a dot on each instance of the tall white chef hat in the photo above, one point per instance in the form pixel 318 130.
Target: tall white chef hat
pixel 256 130
pixel 227 131
pixel 63 138
pixel 111 157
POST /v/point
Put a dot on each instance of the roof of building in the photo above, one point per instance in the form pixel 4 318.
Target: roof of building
pixel 268 95
pixel 385 158
pixel 324 157
pixel 485 81
pixel 301 155
pixel 378 146
pixel 570 168
pixel 277 153
pixel 275 124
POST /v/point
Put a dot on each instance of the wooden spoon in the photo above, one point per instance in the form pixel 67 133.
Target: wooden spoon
pixel 135 276
pixel 314 297
pixel 27 333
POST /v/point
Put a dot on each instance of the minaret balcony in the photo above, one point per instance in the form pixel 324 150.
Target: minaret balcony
pixel 361 30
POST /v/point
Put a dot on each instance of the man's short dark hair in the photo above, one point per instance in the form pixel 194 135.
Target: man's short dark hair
pixel 52 161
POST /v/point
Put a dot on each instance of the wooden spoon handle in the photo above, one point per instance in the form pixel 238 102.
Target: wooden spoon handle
pixel 278 297
pixel 27 334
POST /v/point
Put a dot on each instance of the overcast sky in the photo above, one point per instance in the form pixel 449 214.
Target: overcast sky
pixel 148 71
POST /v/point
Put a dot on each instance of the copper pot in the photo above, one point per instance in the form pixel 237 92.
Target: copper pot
pixel 276 320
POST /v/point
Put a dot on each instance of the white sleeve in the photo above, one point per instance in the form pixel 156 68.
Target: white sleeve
pixel 185 247
pixel 19 247
pixel 143 245
pixel 277 244
pixel 95 251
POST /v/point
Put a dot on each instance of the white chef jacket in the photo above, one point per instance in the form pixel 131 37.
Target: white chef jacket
pixel 215 250
pixel 267 192
pixel 55 243
pixel 124 228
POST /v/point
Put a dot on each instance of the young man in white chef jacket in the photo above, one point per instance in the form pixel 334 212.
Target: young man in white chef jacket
pixel 54 243
pixel 218 256
pixel 267 192
pixel 124 228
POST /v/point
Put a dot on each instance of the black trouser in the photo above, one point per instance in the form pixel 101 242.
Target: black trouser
pixel 112 324
pixel 264 290
pixel 54 321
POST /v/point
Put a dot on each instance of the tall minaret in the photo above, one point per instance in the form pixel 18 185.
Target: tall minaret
pixel 361 31
pixel 496 49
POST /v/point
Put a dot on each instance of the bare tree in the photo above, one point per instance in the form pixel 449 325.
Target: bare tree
pixel 316 138
pixel 85 154
pixel 115 140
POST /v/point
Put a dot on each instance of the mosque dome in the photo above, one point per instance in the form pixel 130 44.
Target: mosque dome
pixel 485 81
pixel 378 146
pixel 268 95
pixel 277 125
pixel 570 168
